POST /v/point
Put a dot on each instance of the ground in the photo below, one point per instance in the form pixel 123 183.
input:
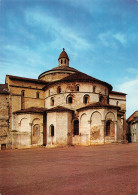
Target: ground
pixel 107 169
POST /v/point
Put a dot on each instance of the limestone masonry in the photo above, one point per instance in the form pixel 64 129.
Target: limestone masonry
pixel 62 107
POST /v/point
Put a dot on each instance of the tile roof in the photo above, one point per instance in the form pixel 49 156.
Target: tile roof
pixel 59 109
pixel 135 114
pixel 26 79
pixel 117 92
pixel 98 105
pixel 63 54
pixel 79 76
pixel 4 89
pixel 58 69
pixel 42 110
pixel 31 110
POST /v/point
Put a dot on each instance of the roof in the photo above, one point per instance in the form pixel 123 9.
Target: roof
pixel 42 110
pixel 64 68
pixel 31 110
pixel 134 115
pixel 63 54
pixel 59 109
pixel 98 105
pixel 58 69
pixel 4 89
pixel 117 92
pixel 26 79
pixel 79 76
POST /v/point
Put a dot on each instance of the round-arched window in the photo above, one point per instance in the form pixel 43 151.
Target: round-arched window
pixel 36 130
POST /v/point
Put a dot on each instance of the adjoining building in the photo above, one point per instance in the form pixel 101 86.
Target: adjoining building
pixel 62 107
pixel 132 127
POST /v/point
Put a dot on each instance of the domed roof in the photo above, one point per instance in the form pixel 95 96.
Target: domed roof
pixel 63 54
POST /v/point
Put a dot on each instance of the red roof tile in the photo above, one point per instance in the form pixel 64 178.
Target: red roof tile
pixel 63 54
pixel 98 105
pixel 117 92
pixel 58 69
pixel 135 114
pixel 30 110
pixel 79 76
pixel 59 109
pixel 26 79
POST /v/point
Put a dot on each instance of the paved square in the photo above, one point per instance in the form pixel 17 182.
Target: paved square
pixel 107 169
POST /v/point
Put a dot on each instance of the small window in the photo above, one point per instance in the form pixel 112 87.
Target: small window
pixel 108 123
pixel 49 92
pixel 37 95
pixel 22 93
pixel 117 103
pixel 52 130
pixel 59 89
pixel 36 130
pixel 76 127
pixel 101 98
pixel 77 87
pixel 86 99
pixel 3 146
pixel 70 100
pixel 94 89
pixel 65 61
pixel 52 101
pixel 61 61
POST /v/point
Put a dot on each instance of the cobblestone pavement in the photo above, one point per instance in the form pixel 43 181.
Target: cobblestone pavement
pixel 93 170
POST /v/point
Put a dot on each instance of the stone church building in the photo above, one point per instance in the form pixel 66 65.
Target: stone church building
pixel 62 107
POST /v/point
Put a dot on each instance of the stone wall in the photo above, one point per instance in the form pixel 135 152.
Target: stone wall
pixel 23 133
pixel 77 96
pixel 62 128
pixel 5 139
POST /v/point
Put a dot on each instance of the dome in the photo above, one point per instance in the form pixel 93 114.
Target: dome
pixel 63 55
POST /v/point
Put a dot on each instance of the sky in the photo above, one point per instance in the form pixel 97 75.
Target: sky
pixel 100 37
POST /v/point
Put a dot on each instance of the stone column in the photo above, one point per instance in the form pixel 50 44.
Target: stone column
pixel 31 130
pixel 103 132
pixel 115 131
pixel 89 122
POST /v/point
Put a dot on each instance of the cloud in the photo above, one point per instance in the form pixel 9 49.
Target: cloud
pixel 131 89
pixel 132 70
pixel 109 39
pixel 61 31
pixel 121 38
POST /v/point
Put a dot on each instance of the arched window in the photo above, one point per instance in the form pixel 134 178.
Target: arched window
pixel 52 101
pixel 23 93
pixel 86 99
pixel 101 98
pixel 77 87
pixel 117 103
pixel 61 61
pixel 70 100
pixel 36 130
pixel 59 89
pixel 94 89
pixel 65 61
pixel 52 130
pixel 108 124
pixel 37 95
pixel 76 127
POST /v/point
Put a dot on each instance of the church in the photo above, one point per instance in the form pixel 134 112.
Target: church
pixel 62 107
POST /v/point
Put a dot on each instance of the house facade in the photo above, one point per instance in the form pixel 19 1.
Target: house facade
pixel 62 107
pixel 132 127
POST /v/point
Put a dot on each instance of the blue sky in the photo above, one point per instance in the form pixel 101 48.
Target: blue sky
pixel 100 37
